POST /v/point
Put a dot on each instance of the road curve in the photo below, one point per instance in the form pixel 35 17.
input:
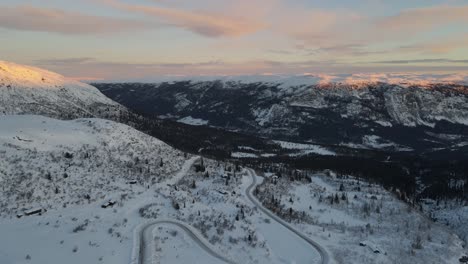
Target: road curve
pixel 142 252
pixel 325 259
pixel 145 253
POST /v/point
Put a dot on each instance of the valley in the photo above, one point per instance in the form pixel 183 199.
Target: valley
pixel 111 184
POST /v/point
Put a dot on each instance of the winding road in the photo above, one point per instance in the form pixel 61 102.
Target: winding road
pixel 325 259
pixel 143 250
pixel 146 239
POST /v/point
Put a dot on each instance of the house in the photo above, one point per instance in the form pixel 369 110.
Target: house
pixel 110 203
pixel 371 245
pixel 34 211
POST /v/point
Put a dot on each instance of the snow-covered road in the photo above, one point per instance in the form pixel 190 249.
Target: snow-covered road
pixel 147 240
pixel 287 243
pixel 318 249
pixel 144 250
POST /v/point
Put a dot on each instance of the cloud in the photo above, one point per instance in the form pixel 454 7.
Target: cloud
pixel 65 61
pixel 440 46
pixel 32 18
pixel 88 68
pixel 428 18
pixel 204 23
pixel 420 61
pixel 342 32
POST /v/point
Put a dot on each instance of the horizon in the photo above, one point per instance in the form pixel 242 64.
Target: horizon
pixel 121 39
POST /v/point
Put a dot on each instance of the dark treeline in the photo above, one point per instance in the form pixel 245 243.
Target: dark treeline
pixel 442 179
pixel 207 141
pixel 391 175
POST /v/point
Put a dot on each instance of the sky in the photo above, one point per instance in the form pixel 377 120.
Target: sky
pixel 118 39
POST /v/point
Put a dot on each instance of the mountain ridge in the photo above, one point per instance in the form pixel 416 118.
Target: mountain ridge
pixel 334 114
pixel 356 80
pixel 30 90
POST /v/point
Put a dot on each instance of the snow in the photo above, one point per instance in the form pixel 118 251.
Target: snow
pixel 180 248
pixel 42 133
pixel 30 90
pixel 268 155
pixel 97 157
pixel 384 123
pixel 193 121
pixel 243 155
pixel 369 213
pixel 295 250
pixel 304 148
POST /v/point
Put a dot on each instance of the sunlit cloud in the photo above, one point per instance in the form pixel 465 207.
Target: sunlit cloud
pixel 235 37
pixel 422 19
pixel 105 70
pixel 200 22
pixel 32 18
pixel 424 61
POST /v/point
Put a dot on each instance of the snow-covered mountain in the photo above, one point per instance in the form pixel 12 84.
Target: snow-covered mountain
pixel 30 90
pixel 307 108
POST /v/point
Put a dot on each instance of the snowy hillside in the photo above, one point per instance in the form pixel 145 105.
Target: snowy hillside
pixel 359 222
pixel 49 163
pixel 30 90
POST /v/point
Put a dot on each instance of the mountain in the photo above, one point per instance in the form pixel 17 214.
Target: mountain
pixel 396 115
pixel 30 90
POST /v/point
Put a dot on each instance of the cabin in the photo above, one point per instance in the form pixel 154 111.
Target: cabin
pixel 371 245
pixel 35 211
pixel 108 204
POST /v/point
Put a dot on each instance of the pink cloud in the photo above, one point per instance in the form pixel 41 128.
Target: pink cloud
pixel 417 19
pixel 203 23
pixel 58 21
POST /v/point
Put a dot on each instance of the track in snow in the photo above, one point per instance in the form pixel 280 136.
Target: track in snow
pixel 325 259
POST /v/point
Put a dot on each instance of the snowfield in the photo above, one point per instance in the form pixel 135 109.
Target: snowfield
pixel 31 90
pixel 51 164
pixel 193 121
pixel 304 149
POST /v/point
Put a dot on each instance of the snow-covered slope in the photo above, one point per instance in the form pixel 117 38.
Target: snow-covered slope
pixel 50 163
pixel 30 90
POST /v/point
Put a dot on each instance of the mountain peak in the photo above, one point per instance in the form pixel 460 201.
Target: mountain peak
pixel 32 77
pixel 31 90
